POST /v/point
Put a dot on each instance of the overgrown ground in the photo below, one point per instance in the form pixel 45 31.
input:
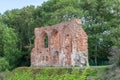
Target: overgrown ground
pixel 57 73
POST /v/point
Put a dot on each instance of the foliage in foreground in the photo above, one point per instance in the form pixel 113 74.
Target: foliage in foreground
pixel 114 72
pixel 55 73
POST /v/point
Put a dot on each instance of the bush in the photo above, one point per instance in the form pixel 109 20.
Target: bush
pixel 114 71
pixel 56 73
pixel 3 64
pixel 115 56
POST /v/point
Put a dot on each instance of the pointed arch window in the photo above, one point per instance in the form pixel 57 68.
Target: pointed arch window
pixel 46 41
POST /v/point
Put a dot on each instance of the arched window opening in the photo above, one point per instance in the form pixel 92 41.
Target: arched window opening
pixel 46 41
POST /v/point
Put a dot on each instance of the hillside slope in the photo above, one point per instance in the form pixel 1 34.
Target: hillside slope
pixel 56 73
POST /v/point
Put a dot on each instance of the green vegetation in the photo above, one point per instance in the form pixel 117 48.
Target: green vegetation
pixel 3 64
pixel 100 20
pixel 9 52
pixel 56 73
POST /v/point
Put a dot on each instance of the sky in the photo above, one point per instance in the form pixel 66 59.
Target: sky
pixel 13 4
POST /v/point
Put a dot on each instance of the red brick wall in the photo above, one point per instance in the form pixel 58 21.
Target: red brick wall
pixel 67 45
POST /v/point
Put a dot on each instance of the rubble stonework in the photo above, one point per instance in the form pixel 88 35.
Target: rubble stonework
pixel 67 45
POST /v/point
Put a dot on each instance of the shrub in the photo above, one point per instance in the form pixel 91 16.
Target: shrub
pixel 55 73
pixel 115 56
pixel 3 64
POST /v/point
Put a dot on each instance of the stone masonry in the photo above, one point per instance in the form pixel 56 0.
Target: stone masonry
pixel 66 45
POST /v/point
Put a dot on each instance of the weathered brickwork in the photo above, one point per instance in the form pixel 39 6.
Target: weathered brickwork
pixel 66 46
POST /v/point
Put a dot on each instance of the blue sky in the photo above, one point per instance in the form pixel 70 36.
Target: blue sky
pixel 13 4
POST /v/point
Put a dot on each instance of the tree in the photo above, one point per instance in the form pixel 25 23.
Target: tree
pixel 98 20
pixel 4 65
pixel 22 21
pixel 56 11
pixel 8 48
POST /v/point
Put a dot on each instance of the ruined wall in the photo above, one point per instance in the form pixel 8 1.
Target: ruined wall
pixel 66 45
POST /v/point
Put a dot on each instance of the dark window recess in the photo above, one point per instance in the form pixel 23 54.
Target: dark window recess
pixel 46 42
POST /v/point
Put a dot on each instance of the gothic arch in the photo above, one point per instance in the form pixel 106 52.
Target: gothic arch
pixel 44 40
pixel 55 37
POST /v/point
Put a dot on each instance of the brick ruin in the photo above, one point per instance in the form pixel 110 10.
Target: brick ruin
pixel 66 45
